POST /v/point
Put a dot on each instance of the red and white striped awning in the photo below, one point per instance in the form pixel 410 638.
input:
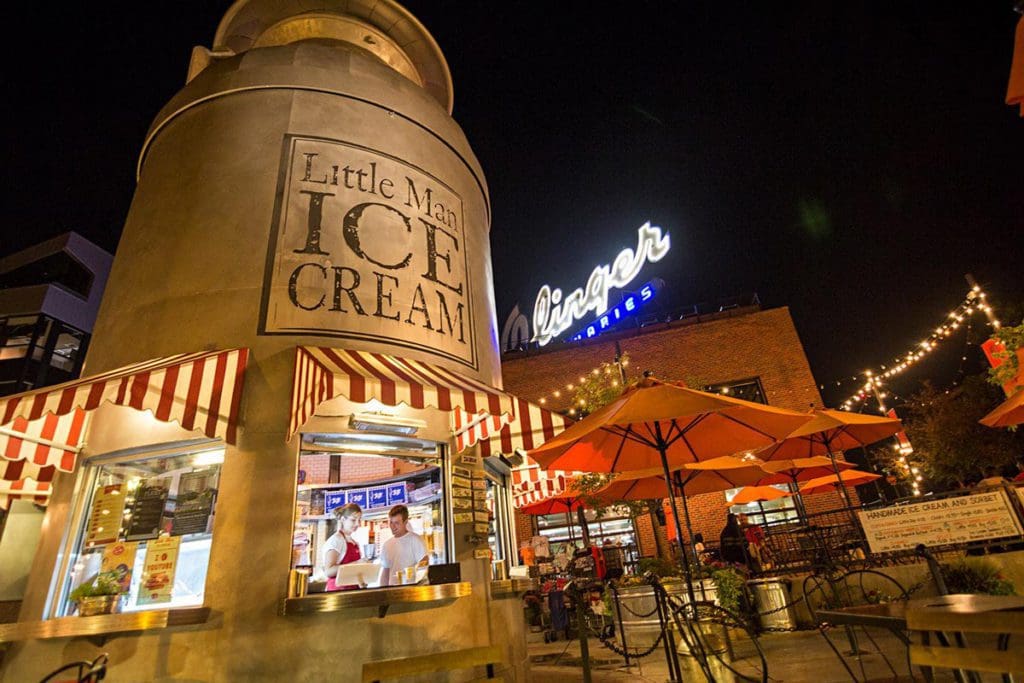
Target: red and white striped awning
pixel 530 428
pixel 35 450
pixel 469 429
pixel 40 430
pixel 24 489
pixel 323 373
pixel 535 485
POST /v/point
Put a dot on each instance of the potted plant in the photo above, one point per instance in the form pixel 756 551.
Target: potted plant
pixel 729 586
pixel 102 595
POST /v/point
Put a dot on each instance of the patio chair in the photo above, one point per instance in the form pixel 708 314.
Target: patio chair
pixel 968 661
pixel 859 587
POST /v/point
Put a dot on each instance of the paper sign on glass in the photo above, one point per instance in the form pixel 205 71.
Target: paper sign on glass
pixel 105 517
pixel 120 558
pixel 158 570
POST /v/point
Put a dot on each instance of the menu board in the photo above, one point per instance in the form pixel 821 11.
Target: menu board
pixel 977 517
pixel 148 508
pixel 359 497
pixel 120 558
pixel 398 493
pixel 158 570
pixel 196 495
pixel 105 516
pixel 377 496
pixel 333 500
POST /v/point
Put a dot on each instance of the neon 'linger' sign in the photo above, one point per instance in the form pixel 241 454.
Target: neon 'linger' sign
pixel 552 315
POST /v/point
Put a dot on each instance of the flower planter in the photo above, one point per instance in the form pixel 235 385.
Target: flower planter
pixel 770 596
pixel 100 604
pixel 713 635
pixel 639 616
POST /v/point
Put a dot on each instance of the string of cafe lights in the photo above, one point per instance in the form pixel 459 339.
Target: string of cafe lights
pixel 876 379
pixel 605 368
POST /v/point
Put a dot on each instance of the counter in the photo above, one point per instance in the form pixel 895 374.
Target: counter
pixel 382 598
pixel 103 624
pixel 512 588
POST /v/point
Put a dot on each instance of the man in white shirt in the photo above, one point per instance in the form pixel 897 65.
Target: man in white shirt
pixel 404 549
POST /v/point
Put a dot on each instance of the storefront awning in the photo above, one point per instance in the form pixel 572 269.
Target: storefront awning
pixel 25 489
pixel 40 430
pixel 535 485
pixel 323 373
pixel 529 428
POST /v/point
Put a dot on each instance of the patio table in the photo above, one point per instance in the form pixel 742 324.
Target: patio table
pixel 934 612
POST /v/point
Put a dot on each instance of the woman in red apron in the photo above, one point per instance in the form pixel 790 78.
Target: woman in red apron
pixel 341 548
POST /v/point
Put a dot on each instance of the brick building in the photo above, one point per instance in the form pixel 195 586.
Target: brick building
pixel 746 352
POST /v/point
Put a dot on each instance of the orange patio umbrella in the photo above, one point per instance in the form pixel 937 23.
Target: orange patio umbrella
pixel 832 481
pixel 1008 413
pixel 793 470
pixel 690 479
pixel 829 431
pixel 758 494
pixel 655 423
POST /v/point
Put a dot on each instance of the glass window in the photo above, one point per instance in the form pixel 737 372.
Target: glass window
pixel 149 521
pixel 565 533
pixel 375 472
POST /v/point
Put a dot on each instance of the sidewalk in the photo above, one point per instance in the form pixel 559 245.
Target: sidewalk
pixel 792 657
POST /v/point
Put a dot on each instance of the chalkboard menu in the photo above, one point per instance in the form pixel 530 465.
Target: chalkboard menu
pixel 148 508
pixel 196 494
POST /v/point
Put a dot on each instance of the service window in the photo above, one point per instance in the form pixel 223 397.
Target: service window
pixel 348 483
pixel 146 523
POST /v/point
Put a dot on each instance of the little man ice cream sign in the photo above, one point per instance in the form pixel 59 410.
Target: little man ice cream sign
pixel 366 246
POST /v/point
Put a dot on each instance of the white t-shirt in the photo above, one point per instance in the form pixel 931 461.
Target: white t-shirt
pixel 400 552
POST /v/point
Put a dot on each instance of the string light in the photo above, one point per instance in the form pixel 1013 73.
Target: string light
pixel 974 302
pixel 607 369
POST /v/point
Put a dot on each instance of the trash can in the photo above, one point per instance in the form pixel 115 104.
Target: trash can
pixel 771 598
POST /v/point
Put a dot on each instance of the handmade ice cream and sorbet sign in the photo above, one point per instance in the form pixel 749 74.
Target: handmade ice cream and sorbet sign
pixel 366 246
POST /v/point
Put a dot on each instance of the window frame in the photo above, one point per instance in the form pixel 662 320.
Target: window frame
pixel 84 485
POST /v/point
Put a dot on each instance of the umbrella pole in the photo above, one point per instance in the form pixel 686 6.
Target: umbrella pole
pixel 675 518
pixel 844 495
pixel 581 517
pixel 689 529
pixel 798 501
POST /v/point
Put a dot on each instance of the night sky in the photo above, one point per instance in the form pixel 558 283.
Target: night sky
pixel 851 162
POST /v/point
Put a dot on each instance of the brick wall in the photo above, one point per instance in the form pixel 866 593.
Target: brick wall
pixel 761 344
pixel 354 468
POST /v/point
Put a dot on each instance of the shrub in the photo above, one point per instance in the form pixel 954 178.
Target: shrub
pixel 976 575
